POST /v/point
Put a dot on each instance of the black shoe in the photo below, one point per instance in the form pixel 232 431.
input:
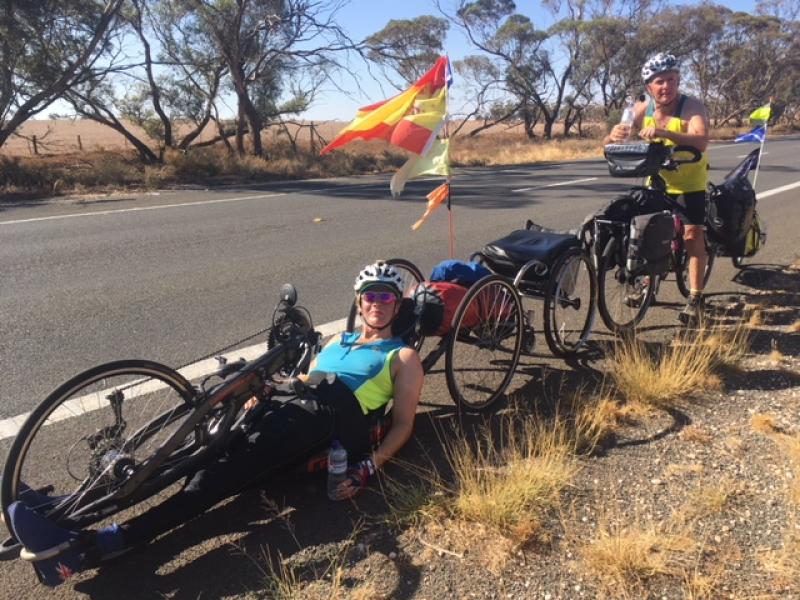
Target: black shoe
pixel 693 313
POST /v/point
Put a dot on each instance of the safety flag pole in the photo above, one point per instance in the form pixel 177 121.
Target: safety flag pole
pixel 760 154
pixel 762 113
pixel 450 224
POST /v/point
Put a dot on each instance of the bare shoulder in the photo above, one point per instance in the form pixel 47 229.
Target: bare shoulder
pixel 694 107
pixel 408 356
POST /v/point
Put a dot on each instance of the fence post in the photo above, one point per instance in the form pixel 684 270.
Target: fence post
pixel 35 146
pixel 80 144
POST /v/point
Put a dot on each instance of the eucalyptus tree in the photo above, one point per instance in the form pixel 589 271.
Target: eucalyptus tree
pixel 47 47
pixel 515 47
pixel 409 47
pixel 268 47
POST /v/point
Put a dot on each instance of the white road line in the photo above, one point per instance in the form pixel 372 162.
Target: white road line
pixel 559 184
pixel 141 208
pixel 746 155
pixel 778 190
pixel 84 404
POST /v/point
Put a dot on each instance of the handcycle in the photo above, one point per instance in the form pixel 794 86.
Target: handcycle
pixel 123 432
pixel 629 270
pixel 489 328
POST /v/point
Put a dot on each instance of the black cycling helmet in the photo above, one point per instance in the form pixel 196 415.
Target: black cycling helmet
pixel 660 63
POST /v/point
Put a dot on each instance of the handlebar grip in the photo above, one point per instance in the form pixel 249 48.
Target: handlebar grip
pixel 696 154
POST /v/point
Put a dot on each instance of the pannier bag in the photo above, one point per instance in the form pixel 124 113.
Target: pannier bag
pixel 623 209
pixel 650 242
pixel 459 271
pixel 638 159
pixel 730 213
pixel 436 304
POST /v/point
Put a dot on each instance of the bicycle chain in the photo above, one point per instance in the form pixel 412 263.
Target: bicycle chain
pixel 223 349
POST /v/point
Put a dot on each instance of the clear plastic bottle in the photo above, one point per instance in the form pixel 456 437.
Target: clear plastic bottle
pixel 337 468
pixel 628 115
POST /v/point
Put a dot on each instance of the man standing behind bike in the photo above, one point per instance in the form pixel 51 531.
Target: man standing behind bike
pixel 677 120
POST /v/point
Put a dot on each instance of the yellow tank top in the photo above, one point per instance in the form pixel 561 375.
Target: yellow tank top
pixel 691 177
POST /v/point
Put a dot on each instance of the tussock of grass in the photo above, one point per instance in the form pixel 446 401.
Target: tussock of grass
pixel 668 375
pixel 784 563
pixel 756 319
pixel 625 555
pixel 697 434
pixel 707 500
pixel 763 423
pixel 508 483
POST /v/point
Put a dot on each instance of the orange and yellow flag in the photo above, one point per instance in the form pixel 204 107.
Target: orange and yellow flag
pixel 409 120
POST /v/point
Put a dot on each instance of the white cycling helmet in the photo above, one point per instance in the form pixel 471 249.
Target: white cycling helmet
pixel 660 63
pixel 379 273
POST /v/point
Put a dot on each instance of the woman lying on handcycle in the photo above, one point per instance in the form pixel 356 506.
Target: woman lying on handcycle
pixel 372 367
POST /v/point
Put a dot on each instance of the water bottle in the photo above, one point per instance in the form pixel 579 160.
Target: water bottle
pixel 337 469
pixel 628 115
pixel 634 260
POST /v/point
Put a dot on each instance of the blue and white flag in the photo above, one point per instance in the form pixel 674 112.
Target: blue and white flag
pixel 754 135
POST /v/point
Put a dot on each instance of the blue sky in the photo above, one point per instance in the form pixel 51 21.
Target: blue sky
pixel 364 17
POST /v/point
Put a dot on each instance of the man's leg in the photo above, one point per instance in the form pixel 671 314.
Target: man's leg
pixel 695 243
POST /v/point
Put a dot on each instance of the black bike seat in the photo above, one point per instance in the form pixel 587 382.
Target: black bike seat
pixel 507 255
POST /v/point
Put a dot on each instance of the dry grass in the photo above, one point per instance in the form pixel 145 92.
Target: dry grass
pixel 697 434
pixel 670 374
pixel 511 149
pixel 707 500
pixel 794 327
pixel 763 423
pixel 784 563
pixel 508 483
pixel 624 554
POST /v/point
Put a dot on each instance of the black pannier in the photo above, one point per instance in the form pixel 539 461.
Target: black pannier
pixel 730 214
pixel 650 242
pixel 635 159
pixel 638 201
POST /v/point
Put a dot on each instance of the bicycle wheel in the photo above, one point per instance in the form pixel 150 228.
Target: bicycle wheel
pixel 484 343
pixel 622 298
pixel 412 277
pixel 93 434
pixel 569 303
pixel 680 263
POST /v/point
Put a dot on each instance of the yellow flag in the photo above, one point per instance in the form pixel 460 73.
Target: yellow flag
pixel 762 113
pixel 435 162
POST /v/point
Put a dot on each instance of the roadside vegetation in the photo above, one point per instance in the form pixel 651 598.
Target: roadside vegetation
pixel 111 170
pixel 530 486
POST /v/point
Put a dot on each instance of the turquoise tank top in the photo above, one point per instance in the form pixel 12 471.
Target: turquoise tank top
pixel 364 368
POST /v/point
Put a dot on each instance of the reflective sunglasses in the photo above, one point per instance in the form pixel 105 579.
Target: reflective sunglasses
pixel 379 297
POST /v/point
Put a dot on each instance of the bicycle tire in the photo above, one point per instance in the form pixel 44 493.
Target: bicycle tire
pixel 412 277
pixel 488 318
pixel 623 306
pixel 738 262
pixel 78 406
pixel 680 262
pixel 572 288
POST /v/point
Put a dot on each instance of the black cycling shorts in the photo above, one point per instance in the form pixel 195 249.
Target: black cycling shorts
pixel 692 206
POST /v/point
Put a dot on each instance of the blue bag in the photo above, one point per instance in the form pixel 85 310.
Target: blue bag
pixel 459 271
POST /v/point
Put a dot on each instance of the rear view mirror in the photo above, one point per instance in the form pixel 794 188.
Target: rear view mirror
pixel 288 294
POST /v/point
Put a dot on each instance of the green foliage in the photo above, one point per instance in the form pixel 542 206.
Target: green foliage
pixel 409 46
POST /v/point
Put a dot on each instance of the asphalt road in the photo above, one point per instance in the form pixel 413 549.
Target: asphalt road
pixel 174 275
